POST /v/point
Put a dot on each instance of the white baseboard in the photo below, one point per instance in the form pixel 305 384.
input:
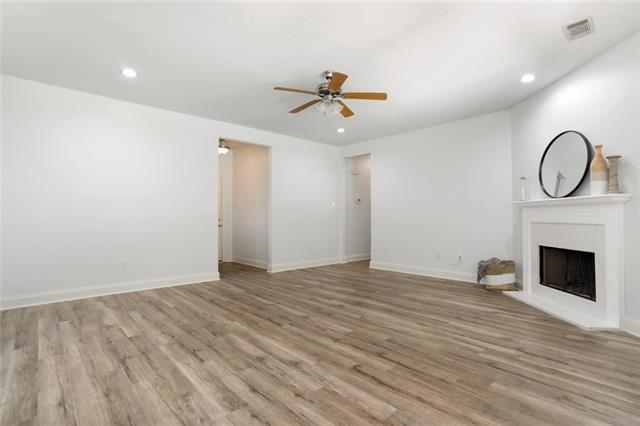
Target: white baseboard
pixel 424 271
pixel 355 257
pixel 43 297
pixel 282 267
pixel 250 262
pixel 631 325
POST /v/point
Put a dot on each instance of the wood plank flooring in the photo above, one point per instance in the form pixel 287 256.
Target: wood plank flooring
pixel 339 344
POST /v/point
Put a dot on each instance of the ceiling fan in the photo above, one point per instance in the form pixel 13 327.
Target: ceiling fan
pixel 331 97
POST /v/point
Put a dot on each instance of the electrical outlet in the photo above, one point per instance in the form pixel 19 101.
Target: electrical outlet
pixel 124 264
pixel 460 257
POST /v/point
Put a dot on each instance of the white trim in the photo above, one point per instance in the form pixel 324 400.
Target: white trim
pixel 43 297
pixel 631 325
pixel 576 201
pixel 282 267
pixel 427 272
pixel 250 262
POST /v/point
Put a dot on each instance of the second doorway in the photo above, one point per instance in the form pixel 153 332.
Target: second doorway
pixel 243 204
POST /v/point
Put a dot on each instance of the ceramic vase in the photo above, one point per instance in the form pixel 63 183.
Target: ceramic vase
pixel 599 173
pixel 614 187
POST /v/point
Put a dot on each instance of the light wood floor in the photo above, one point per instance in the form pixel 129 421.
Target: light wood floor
pixel 339 344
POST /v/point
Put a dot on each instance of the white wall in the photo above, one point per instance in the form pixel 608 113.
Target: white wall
pixel 250 197
pixel 358 207
pixel 438 192
pixel 304 183
pixel 90 181
pixel 601 100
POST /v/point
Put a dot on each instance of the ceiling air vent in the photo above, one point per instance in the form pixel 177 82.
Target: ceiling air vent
pixel 579 29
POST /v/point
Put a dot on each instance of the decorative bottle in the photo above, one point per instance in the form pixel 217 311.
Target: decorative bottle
pixel 523 188
pixel 599 173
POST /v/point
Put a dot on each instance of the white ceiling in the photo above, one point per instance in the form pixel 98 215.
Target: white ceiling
pixel 438 62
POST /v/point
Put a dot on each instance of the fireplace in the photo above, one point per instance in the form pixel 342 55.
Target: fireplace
pixel 585 288
pixel 571 271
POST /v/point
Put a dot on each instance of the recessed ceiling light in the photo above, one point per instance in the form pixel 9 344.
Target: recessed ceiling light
pixel 527 78
pixel 129 72
pixel 340 130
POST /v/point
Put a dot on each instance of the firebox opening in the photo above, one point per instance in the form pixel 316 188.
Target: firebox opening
pixel 571 271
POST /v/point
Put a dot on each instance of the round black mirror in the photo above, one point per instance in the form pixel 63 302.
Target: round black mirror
pixel 564 164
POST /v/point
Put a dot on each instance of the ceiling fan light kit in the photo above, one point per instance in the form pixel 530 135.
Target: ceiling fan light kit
pixel 330 95
pixel 223 147
pixel 329 107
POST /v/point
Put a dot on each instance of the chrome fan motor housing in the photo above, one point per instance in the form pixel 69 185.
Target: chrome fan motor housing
pixel 323 91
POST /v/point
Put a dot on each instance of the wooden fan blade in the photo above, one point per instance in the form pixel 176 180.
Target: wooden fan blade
pixel 287 89
pixel 346 111
pixel 305 106
pixel 337 80
pixel 372 96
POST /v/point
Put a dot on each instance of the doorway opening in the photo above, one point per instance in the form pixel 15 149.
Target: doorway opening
pixel 243 198
pixel 358 208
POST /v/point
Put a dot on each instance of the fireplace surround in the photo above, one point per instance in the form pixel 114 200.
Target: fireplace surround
pixel 592 226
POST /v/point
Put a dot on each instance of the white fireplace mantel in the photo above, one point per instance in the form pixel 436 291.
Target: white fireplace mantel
pixel 576 201
pixel 592 223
